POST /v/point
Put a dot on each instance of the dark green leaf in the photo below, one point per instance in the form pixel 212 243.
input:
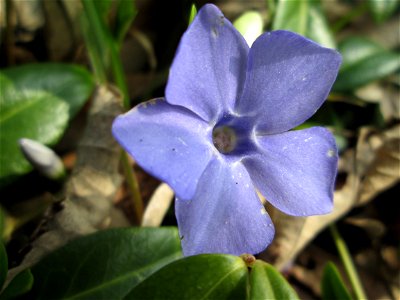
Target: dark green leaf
pixel 2 224
pixel 332 285
pixel 126 12
pixel 21 284
pixel 381 10
pixel 267 283
pixel 3 264
pixel 207 276
pixel 363 62
pixel 37 115
pixel 70 83
pixel 105 265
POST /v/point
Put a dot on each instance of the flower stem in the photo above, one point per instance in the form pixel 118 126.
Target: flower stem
pixel 348 263
pixel 134 187
pixel 118 72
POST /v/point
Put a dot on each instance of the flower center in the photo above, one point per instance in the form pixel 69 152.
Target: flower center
pixel 224 139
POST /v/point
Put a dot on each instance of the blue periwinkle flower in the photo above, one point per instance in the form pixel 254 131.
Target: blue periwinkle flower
pixel 222 132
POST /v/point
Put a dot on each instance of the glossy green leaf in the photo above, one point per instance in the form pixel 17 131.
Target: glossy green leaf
pixel 37 115
pixel 332 285
pixel 267 283
pixel 207 276
pixel 363 62
pixel 250 25
pixel 105 265
pixel 3 264
pixel 305 17
pixel 70 83
pixel 6 87
pixel 381 10
pixel 21 284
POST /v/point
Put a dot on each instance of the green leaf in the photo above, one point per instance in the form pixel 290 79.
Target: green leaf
pixel 103 7
pixel 105 265
pixel 332 285
pixel 292 15
pixel 267 283
pixel 126 12
pixel 3 264
pixel 70 83
pixel 306 18
pixel 381 10
pixel 37 115
pixel 2 224
pixel 356 49
pixel 250 25
pixel 318 28
pixel 364 62
pixel 207 276
pixel 21 284
pixel 122 12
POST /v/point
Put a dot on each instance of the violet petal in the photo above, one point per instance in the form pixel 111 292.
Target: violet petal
pixel 225 215
pixel 288 79
pixel 168 141
pixel 209 67
pixel 295 171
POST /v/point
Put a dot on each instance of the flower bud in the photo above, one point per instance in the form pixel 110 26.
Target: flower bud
pixel 42 158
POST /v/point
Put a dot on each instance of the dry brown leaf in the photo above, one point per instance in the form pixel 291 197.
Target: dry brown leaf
pixel 384 170
pixel 387 96
pixel 374 228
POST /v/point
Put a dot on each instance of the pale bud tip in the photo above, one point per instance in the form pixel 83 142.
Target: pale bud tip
pixel 42 158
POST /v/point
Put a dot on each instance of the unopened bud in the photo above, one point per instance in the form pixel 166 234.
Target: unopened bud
pixel 42 158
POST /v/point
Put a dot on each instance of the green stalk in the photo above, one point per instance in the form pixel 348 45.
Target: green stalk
pixel 105 42
pixel 348 263
pixel 94 40
pixel 118 73
pixel 134 187
pixel 104 55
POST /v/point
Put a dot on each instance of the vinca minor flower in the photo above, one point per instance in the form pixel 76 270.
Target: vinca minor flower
pixel 222 132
